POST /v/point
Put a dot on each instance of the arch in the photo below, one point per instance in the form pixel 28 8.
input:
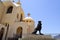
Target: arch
pixel 17 16
pixel 21 17
pixel 9 10
pixel 2 32
pixel 19 32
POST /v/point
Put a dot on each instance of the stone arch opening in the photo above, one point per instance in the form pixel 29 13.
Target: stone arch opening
pixel 19 32
pixel 2 32
pixel 9 10
pixel 21 17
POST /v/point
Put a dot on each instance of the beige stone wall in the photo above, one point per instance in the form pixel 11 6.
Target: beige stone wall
pixel 30 27
pixel 20 11
pixel 1 25
pixel 9 18
pixel 12 17
pixel 14 26
pixel 2 9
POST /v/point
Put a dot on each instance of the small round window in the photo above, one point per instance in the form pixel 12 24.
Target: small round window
pixel 29 21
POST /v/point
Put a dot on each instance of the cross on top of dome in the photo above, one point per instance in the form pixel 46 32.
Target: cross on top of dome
pixel 28 14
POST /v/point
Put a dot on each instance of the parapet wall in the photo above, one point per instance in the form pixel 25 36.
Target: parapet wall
pixel 38 37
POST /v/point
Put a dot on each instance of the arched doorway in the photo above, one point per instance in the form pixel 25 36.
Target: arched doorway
pixel 19 32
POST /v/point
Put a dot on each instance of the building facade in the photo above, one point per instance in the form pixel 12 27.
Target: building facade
pixel 15 24
pixel 12 18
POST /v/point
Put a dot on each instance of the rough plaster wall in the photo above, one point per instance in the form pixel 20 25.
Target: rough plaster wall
pixel 2 8
pixel 11 19
pixel 12 16
pixel 4 30
pixel 14 26
pixel 20 11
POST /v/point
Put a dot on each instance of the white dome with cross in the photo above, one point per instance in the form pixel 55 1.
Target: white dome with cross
pixel 28 19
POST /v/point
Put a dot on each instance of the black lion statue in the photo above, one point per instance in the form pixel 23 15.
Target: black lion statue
pixel 38 28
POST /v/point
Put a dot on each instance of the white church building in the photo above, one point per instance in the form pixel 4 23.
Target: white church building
pixel 12 14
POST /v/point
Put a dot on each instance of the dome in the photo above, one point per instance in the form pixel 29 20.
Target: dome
pixel 28 19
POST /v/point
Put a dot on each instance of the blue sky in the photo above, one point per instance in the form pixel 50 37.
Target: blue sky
pixel 48 11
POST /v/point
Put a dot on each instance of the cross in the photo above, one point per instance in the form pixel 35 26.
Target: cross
pixel 18 0
pixel 28 14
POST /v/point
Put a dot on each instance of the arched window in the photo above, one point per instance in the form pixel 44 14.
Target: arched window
pixel 17 16
pixel 9 10
pixel 21 17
